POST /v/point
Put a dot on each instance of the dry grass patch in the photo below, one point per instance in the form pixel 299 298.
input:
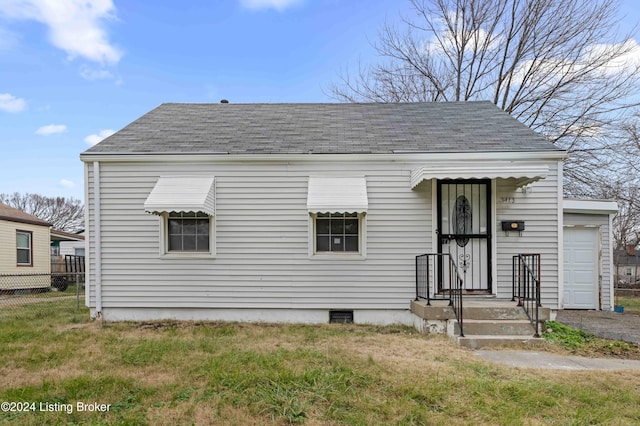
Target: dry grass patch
pixel 221 373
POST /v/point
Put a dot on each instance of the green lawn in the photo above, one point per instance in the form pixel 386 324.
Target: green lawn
pixel 631 304
pixel 171 373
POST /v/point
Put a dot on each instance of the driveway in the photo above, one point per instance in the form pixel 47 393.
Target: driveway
pixel 606 324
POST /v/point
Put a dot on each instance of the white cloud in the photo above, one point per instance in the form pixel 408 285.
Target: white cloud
pixel 96 74
pixel 95 138
pixel 278 5
pixel 628 61
pixel 67 183
pixel 51 129
pixel 552 70
pixel 75 26
pixel 9 103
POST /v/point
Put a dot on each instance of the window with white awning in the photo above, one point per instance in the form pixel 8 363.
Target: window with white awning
pixel 186 205
pixel 337 207
pixel 337 195
pixel 182 194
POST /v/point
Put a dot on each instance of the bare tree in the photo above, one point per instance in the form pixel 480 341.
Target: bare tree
pixel 558 66
pixel 627 190
pixel 626 223
pixel 64 214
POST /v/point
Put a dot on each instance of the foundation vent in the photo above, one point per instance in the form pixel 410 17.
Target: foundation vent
pixel 340 317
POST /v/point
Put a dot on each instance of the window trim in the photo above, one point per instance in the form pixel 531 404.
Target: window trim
pixel 30 248
pixel 361 254
pixel 164 252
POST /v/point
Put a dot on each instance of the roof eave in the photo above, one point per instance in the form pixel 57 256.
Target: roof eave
pixel 411 156
pixel 27 221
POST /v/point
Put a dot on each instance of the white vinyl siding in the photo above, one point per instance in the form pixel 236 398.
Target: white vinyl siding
pixel 261 237
pixel 536 205
pixel 72 248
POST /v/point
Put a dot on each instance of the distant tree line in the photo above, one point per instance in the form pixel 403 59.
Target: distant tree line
pixel 64 214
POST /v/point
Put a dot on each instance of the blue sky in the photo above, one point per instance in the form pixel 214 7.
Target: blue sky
pixel 73 71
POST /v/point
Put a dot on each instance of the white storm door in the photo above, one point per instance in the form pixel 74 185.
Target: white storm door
pixel 464 230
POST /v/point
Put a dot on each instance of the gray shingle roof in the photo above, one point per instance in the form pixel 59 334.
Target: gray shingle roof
pixel 323 129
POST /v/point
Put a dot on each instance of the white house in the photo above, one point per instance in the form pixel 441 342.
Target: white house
pixel 293 212
pixel 66 243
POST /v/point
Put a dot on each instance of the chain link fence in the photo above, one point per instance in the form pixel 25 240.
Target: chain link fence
pixel 21 293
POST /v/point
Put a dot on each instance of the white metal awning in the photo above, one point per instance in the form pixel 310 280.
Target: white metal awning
pixel 337 194
pixel 524 172
pixel 182 194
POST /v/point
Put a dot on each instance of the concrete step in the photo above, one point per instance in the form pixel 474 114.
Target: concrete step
pixel 491 313
pixel 483 341
pixel 488 310
pixel 516 327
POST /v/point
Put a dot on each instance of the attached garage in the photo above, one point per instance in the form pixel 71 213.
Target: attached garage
pixel 588 254
pixel 581 271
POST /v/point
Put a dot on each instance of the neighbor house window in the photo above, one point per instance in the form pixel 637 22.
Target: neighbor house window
pixel 337 232
pixel 23 248
pixel 188 232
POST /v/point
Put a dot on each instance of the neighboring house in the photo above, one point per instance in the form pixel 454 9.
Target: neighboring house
pixel 24 250
pixel 627 263
pixel 287 212
pixel 67 251
pixel 66 243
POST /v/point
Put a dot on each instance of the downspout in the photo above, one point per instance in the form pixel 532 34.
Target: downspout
pixel 97 237
pixel 612 288
pixel 560 288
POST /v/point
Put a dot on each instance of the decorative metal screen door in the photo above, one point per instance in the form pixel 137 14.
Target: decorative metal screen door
pixel 464 230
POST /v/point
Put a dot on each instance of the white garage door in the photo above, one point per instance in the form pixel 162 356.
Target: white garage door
pixel 580 268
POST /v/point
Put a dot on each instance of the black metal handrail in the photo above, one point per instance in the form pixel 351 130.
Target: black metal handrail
pixel 437 279
pixel 525 286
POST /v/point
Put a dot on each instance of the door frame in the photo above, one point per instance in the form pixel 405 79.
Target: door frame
pixel 489 205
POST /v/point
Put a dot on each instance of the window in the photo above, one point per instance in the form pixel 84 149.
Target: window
pixel 188 232
pixel 78 251
pixel 343 232
pixel 23 248
pixel 337 232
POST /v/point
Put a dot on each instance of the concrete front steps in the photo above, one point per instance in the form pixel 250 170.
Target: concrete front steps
pixel 487 321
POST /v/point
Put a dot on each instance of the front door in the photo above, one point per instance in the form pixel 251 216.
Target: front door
pixel 464 230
